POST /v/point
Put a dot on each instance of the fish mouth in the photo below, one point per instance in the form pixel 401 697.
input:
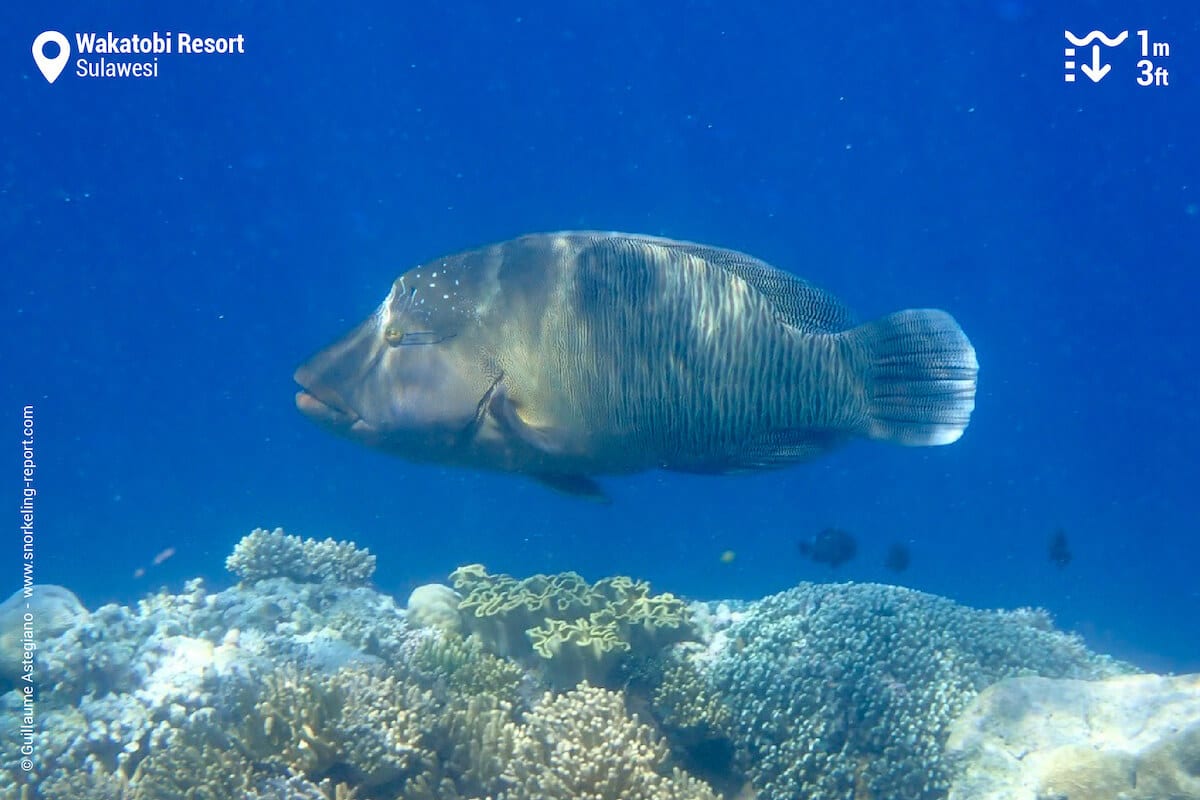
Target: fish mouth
pixel 323 404
pixel 313 407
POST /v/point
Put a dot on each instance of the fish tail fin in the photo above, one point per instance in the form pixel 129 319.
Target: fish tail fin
pixel 920 385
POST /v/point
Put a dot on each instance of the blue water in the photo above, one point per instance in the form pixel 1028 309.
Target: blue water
pixel 173 247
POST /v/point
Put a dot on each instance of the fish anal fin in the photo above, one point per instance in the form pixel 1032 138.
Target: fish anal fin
pixel 774 450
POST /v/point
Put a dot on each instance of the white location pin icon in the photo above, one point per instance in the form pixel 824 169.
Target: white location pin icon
pixel 51 67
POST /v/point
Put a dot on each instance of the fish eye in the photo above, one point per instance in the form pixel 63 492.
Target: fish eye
pixel 393 335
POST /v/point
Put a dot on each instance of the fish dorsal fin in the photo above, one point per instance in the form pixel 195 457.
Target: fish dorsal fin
pixel 797 302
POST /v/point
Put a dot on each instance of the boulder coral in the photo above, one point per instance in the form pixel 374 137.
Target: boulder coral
pixel 1133 737
pixel 29 618
pixel 434 605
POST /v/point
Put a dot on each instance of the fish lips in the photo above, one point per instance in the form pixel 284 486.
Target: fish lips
pixel 324 405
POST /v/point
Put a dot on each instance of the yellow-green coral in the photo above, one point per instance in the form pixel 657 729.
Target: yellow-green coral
pixel 577 630
pixel 578 650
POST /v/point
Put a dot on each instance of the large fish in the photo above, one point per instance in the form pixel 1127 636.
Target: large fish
pixel 569 355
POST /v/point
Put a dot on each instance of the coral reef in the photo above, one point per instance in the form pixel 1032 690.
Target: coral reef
pixel 684 700
pixel 302 683
pixel 846 690
pixel 296 683
pixel 274 554
pixel 116 681
pixel 577 631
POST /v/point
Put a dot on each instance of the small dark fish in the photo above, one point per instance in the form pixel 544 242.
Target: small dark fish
pixel 832 546
pixel 1060 551
pixel 898 557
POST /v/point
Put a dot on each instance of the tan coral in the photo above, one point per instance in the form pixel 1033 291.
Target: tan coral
pixel 381 728
pixel 290 720
pixel 582 745
pixel 195 765
pixel 93 782
pixel 308 722
pixel 464 666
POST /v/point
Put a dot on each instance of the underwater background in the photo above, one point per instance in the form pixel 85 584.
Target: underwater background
pixel 173 247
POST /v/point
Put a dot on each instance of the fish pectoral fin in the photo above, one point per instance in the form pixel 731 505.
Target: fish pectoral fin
pixel 521 424
pixel 575 485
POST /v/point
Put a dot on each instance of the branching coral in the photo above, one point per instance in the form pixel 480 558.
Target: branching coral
pixel 274 554
pixel 683 700
pixel 583 744
pixel 289 719
pixel 463 666
pixel 479 739
pixel 694 716
pixel 93 783
pixel 307 723
pixel 195 765
pixel 300 683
